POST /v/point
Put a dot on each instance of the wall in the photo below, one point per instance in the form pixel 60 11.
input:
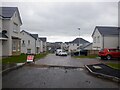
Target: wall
pixel 72 47
pixel 110 42
pixel 0 47
pixel 7 45
pixel 41 46
pixel 97 45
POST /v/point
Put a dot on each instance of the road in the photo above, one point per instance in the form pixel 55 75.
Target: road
pixel 55 77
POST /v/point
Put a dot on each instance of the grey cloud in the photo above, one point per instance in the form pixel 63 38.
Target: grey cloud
pixel 63 18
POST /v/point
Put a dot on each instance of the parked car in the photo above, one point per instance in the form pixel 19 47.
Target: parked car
pixel 63 53
pixel 58 51
pixel 82 52
pixel 109 53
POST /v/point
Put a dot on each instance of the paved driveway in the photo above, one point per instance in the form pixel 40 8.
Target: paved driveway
pixel 52 59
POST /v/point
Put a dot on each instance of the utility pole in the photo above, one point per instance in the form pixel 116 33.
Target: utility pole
pixel 79 40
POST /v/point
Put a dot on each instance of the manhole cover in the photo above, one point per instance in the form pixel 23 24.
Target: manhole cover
pixel 97 67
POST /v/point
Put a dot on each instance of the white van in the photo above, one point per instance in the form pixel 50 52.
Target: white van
pixel 58 51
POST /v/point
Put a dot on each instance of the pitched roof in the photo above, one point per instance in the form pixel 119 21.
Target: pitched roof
pixel 81 41
pixel 43 39
pixel 29 34
pixel 7 12
pixel 2 35
pixel 88 45
pixel 106 30
pixel 35 36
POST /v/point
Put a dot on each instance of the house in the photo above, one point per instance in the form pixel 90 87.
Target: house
pixel 88 47
pixel 29 42
pixel 10 35
pixel 43 44
pixel 105 37
pixel 75 45
pixel 37 43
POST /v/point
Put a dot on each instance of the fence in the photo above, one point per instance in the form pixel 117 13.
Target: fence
pixel 92 52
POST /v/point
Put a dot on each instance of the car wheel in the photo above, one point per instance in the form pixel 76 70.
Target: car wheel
pixel 108 57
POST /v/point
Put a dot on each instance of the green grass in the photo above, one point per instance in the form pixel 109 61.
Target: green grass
pixel 89 56
pixel 38 56
pixel 20 58
pixel 114 65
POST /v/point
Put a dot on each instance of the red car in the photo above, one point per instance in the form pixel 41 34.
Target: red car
pixel 109 53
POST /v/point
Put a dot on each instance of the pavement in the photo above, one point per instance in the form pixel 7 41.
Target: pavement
pixel 104 71
pixel 9 68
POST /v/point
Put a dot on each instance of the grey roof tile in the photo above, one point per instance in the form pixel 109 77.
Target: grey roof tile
pixel 44 39
pixel 81 41
pixel 107 30
pixel 29 34
pixel 35 36
pixel 7 12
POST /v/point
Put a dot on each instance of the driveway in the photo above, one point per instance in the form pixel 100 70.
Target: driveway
pixel 52 59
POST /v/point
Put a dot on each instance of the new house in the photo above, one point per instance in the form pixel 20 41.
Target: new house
pixel 29 42
pixel 43 44
pixel 10 35
pixel 77 44
pixel 105 37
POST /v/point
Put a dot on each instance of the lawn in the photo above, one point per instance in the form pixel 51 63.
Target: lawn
pixel 114 65
pixel 21 58
pixel 89 56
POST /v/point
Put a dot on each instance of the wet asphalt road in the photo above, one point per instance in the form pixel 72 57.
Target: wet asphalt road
pixel 37 77
pixel 52 59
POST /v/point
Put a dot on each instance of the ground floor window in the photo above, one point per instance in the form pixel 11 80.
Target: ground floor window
pixel 28 50
pixel 14 46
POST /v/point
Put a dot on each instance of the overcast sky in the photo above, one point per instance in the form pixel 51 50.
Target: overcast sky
pixel 58 21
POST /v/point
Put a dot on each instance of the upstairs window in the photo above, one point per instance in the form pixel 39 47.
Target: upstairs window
pixel 98 39
pixel 23 43
pixel 28 42
pixel 15 27
pixel 94 39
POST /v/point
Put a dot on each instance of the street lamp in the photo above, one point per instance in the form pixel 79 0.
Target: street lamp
pixel 79 40
pixel 118 38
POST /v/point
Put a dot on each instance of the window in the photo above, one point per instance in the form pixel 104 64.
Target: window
pixel 18 45
pixel 15 14
pixel 94 39
pixel 98 39
pixel 14 46
pixel 28 51
pixel 28 42
pixel 15 27
pixel 23 43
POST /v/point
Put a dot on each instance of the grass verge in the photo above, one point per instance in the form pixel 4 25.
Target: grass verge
pixel 114 65
pixel 20 58
pixel 89 56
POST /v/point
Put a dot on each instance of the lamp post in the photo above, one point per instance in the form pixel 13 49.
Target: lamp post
pixel 79 40
pixel 118 38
